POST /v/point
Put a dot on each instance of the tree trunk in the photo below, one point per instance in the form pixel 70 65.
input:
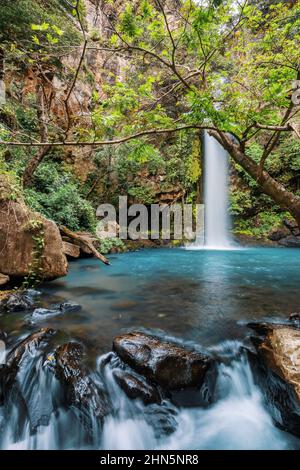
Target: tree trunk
pixel 33 164
pixel 2 83
pixel 83 240
pixel 268 185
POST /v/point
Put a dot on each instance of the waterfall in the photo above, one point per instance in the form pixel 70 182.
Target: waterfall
pixel 216 194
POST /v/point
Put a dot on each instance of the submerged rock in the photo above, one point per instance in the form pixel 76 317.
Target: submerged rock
pixel 40 314
pixel 162 418
pixel 170 366
pixel 67 307
pixel 18 302
pixel 277 369
pixel 295 318
pixel 80 390
pixel 134 387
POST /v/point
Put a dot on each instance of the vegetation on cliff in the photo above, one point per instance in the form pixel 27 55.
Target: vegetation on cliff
pixel 150 74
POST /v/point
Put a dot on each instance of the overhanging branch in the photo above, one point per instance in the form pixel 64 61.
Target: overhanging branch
pixel 109 142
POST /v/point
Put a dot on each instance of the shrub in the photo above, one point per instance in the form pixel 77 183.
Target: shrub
pixel 56 195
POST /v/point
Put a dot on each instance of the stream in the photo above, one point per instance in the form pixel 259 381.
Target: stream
pixel 203 299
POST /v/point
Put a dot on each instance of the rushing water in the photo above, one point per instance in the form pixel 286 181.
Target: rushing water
pixel 202 298
pixel 216 194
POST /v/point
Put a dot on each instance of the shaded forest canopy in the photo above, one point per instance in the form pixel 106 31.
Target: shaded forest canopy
pixel 149 76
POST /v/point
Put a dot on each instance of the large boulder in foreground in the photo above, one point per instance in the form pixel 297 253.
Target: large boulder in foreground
pixel 166 364
pixel 277 369
pixel 28 241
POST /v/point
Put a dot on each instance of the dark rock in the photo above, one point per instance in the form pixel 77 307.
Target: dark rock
pixel 170 366
pixel 3 335
pixel 18 302
pixel 290 242
pixel 29 346
pixel 162 418
pixel 292 226
pixel 134 387
pixel 40 314
pixel 19 357
pixel 278 234
pixel 191 397
pixel 295 318
pixel 80 390
pixel 276 367
pixel 67 307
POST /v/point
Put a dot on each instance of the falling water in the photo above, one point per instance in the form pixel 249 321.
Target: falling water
pixel 216 194
pixel 237 418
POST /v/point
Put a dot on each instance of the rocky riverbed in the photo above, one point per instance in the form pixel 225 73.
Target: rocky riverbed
pixel 43 377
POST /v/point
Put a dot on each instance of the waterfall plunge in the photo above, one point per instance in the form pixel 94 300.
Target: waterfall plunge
pixel 216 194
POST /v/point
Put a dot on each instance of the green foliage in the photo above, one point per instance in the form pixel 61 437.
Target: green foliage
pixel 36 227
pixel 20 18
pixel 141 194
pixel 240 201
pixel 12 189
pixel 56 195
pixel 260 227
pixel 111 244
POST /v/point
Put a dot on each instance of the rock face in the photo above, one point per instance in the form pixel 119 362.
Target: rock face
pixel 163 363
pixel 290 242
pixel 277 369
pixel 19 229
pixel 288 235
pixel 70 250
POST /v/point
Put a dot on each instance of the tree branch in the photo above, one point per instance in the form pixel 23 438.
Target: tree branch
pixel 109 142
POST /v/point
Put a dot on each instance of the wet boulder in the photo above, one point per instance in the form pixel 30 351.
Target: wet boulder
pixel 162 418
pixel 135 387
pixel 40 314
pixel 80 390
pixel 276 367
pixel 164 363
pixel 29 346
pixel 18 302
pixel 15 387
pixel 295 318
pixel 66 307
